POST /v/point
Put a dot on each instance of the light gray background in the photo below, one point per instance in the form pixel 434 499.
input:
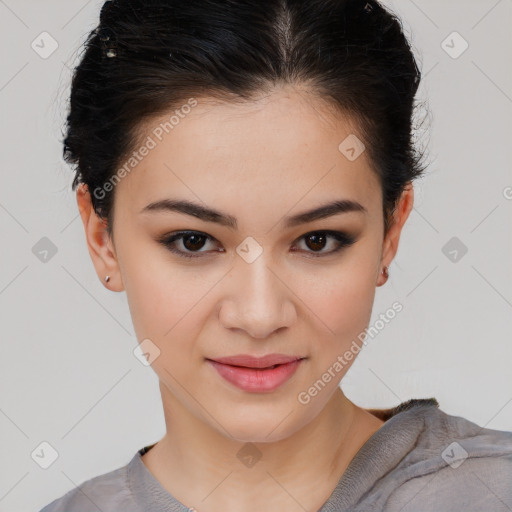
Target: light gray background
pixel 67 372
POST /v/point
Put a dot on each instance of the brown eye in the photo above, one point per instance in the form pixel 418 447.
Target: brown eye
pixel 192 242
pixel 316 241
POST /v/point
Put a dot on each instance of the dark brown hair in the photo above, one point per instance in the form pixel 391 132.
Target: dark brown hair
pixel 147 57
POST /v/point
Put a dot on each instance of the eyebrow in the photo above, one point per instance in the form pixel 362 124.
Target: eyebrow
pixel 210 215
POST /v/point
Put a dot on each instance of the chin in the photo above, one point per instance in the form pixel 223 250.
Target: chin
pixel 258 429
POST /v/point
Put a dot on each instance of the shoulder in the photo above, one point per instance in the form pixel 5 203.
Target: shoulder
pixel 455 465
pixel 108 492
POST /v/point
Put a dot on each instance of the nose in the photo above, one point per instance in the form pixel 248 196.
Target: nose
pixel 259 300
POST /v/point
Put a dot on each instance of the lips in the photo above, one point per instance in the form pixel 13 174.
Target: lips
pixel 248 361
pixel 256 374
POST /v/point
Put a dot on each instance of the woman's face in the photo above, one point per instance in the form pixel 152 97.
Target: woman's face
pixel 255 284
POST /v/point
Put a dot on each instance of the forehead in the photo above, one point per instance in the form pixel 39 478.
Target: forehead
pixel 284 146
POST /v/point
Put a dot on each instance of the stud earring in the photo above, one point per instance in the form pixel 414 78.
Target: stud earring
pixel 107 279
pixel 385 272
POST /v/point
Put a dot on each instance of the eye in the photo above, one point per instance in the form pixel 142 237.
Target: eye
pixel 193 241
pixel 317 240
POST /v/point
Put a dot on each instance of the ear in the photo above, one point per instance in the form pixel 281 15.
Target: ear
pixel 101 247
pixel 390 243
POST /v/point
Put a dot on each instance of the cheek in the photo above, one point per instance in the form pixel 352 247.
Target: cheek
pixel 342 307
pixel 164 300
pixel 342 301
pixel 166 307
pixel 167 311
pixel 351 306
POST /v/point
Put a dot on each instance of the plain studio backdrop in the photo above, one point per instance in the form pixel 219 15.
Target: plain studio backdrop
pixel 70 385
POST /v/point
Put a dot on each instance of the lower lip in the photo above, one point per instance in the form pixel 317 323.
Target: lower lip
pixel 256 380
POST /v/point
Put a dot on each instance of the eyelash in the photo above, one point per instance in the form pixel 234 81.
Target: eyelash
pixel 343 239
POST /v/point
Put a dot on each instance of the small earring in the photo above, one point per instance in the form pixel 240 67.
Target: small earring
pixel 385 272
pixel 107 279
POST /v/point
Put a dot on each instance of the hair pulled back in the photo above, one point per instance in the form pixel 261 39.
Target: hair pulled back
pixel 147 57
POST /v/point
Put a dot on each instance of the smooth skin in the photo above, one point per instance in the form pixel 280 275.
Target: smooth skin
pixel 258 162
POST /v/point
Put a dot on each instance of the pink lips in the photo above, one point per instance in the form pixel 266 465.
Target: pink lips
pixel 257 374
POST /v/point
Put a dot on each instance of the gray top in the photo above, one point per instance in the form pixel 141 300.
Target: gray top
pixel 421 459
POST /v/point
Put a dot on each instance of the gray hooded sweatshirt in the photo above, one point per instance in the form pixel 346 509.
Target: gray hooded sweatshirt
pixel 421 459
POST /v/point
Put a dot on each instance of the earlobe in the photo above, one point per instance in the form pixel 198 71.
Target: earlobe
pixel 99 243
pixel 383 277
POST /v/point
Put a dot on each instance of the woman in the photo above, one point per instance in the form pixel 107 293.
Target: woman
pixel 244 172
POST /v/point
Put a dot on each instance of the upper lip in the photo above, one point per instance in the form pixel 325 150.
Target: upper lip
pixel 249 361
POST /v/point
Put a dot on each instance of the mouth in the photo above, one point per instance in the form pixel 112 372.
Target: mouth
pixel 257 376
pixel 268 361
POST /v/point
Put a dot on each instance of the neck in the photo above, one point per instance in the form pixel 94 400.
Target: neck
pixel 201 466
